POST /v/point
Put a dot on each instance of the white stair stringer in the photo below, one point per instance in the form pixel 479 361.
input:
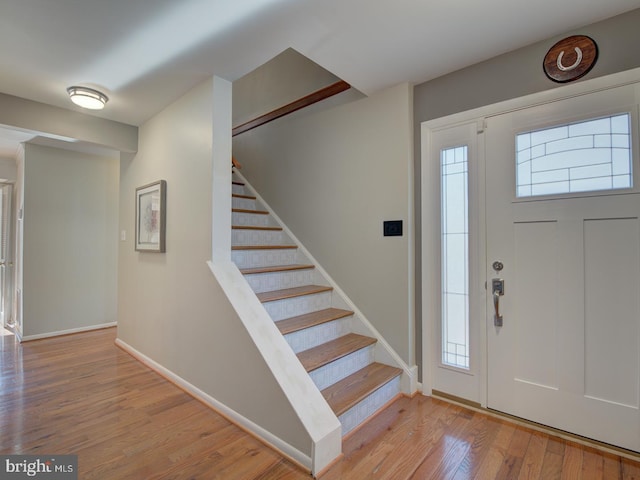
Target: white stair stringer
pixel 286 308
pixel 321 423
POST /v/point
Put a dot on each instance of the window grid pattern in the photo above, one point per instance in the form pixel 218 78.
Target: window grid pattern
pixel 578 157
pixel 455 256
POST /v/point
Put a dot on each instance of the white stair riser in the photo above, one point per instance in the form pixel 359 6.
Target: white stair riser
pixel 238 189
pixel 246 203
pixel 291 307
pixel 335 371
pixel 368 406
pixel 263 258
pixel 268 282
pixel 250 219
pixel 259 237
pixel 314 336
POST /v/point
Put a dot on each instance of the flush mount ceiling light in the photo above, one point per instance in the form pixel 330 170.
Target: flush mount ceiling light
pixel 87 97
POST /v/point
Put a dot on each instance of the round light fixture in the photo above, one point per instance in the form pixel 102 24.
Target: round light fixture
pixel 87 97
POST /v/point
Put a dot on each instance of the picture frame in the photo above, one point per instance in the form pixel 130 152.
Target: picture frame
pixel 151 203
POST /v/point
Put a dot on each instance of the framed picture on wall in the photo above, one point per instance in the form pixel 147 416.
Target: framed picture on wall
pixel 151 202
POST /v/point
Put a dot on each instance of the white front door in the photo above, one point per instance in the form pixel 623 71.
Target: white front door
pixel 568 352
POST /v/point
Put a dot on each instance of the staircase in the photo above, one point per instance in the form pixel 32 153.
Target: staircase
pixel 313 318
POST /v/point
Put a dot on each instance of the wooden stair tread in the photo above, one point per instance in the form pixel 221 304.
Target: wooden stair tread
pixel 292 292
pixel 321 355
pixel 246 210
pixel 247 197
pixel 300 322
pixel 238 183
pixel 277 268
pixel 255 227
pixel 262 247
pixel 346 393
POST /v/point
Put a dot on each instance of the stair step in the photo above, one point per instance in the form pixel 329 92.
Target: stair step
pixel 255 227
pixel 274 269
pixel 262 247
pixel 247 197
pixel 351 390
pixel 246 210
pixel 300 322
pixel 321 355
pixel 292 292
pixel 237 183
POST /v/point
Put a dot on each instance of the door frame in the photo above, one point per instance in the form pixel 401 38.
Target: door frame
pixel 430 215
pixel 458 382
pixel 7 287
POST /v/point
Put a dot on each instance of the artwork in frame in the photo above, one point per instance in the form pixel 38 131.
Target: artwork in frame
pixel 151 202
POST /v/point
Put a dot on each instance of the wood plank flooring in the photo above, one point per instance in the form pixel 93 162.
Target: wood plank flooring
pixel 80 394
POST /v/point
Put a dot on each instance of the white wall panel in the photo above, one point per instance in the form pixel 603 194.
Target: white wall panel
pixel 612 314
pixel 536 253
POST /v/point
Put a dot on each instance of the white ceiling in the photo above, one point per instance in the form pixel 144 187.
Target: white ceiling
pixel 146 53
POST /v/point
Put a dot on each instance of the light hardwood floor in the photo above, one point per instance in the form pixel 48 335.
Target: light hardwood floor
pixel 80 394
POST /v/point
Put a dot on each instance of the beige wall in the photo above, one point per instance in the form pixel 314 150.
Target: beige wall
pixel 170 308
pixel 282 80
pixel 8 169
pixel 520 73
pixel 70 240
pixel 333 177
pixel 40 117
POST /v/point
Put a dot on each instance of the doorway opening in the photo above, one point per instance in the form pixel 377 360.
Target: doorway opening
pixel 7 320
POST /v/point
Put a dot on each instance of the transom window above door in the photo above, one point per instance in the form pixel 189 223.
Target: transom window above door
pixel 591 155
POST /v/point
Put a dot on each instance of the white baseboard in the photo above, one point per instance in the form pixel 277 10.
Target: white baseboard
pixel 66 332
pixel 234 417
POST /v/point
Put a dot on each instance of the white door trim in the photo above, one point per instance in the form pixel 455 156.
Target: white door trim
pixel 431 216
pixel 463 383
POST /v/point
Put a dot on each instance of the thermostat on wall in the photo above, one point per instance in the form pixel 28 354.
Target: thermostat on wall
pixel 392 228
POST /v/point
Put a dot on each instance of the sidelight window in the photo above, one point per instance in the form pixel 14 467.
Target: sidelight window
pixel 455 256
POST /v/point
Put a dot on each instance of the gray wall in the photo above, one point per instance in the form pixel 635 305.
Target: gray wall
pixel 333 176
pixel 70 240
pixel 512 75
pixel 170 308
